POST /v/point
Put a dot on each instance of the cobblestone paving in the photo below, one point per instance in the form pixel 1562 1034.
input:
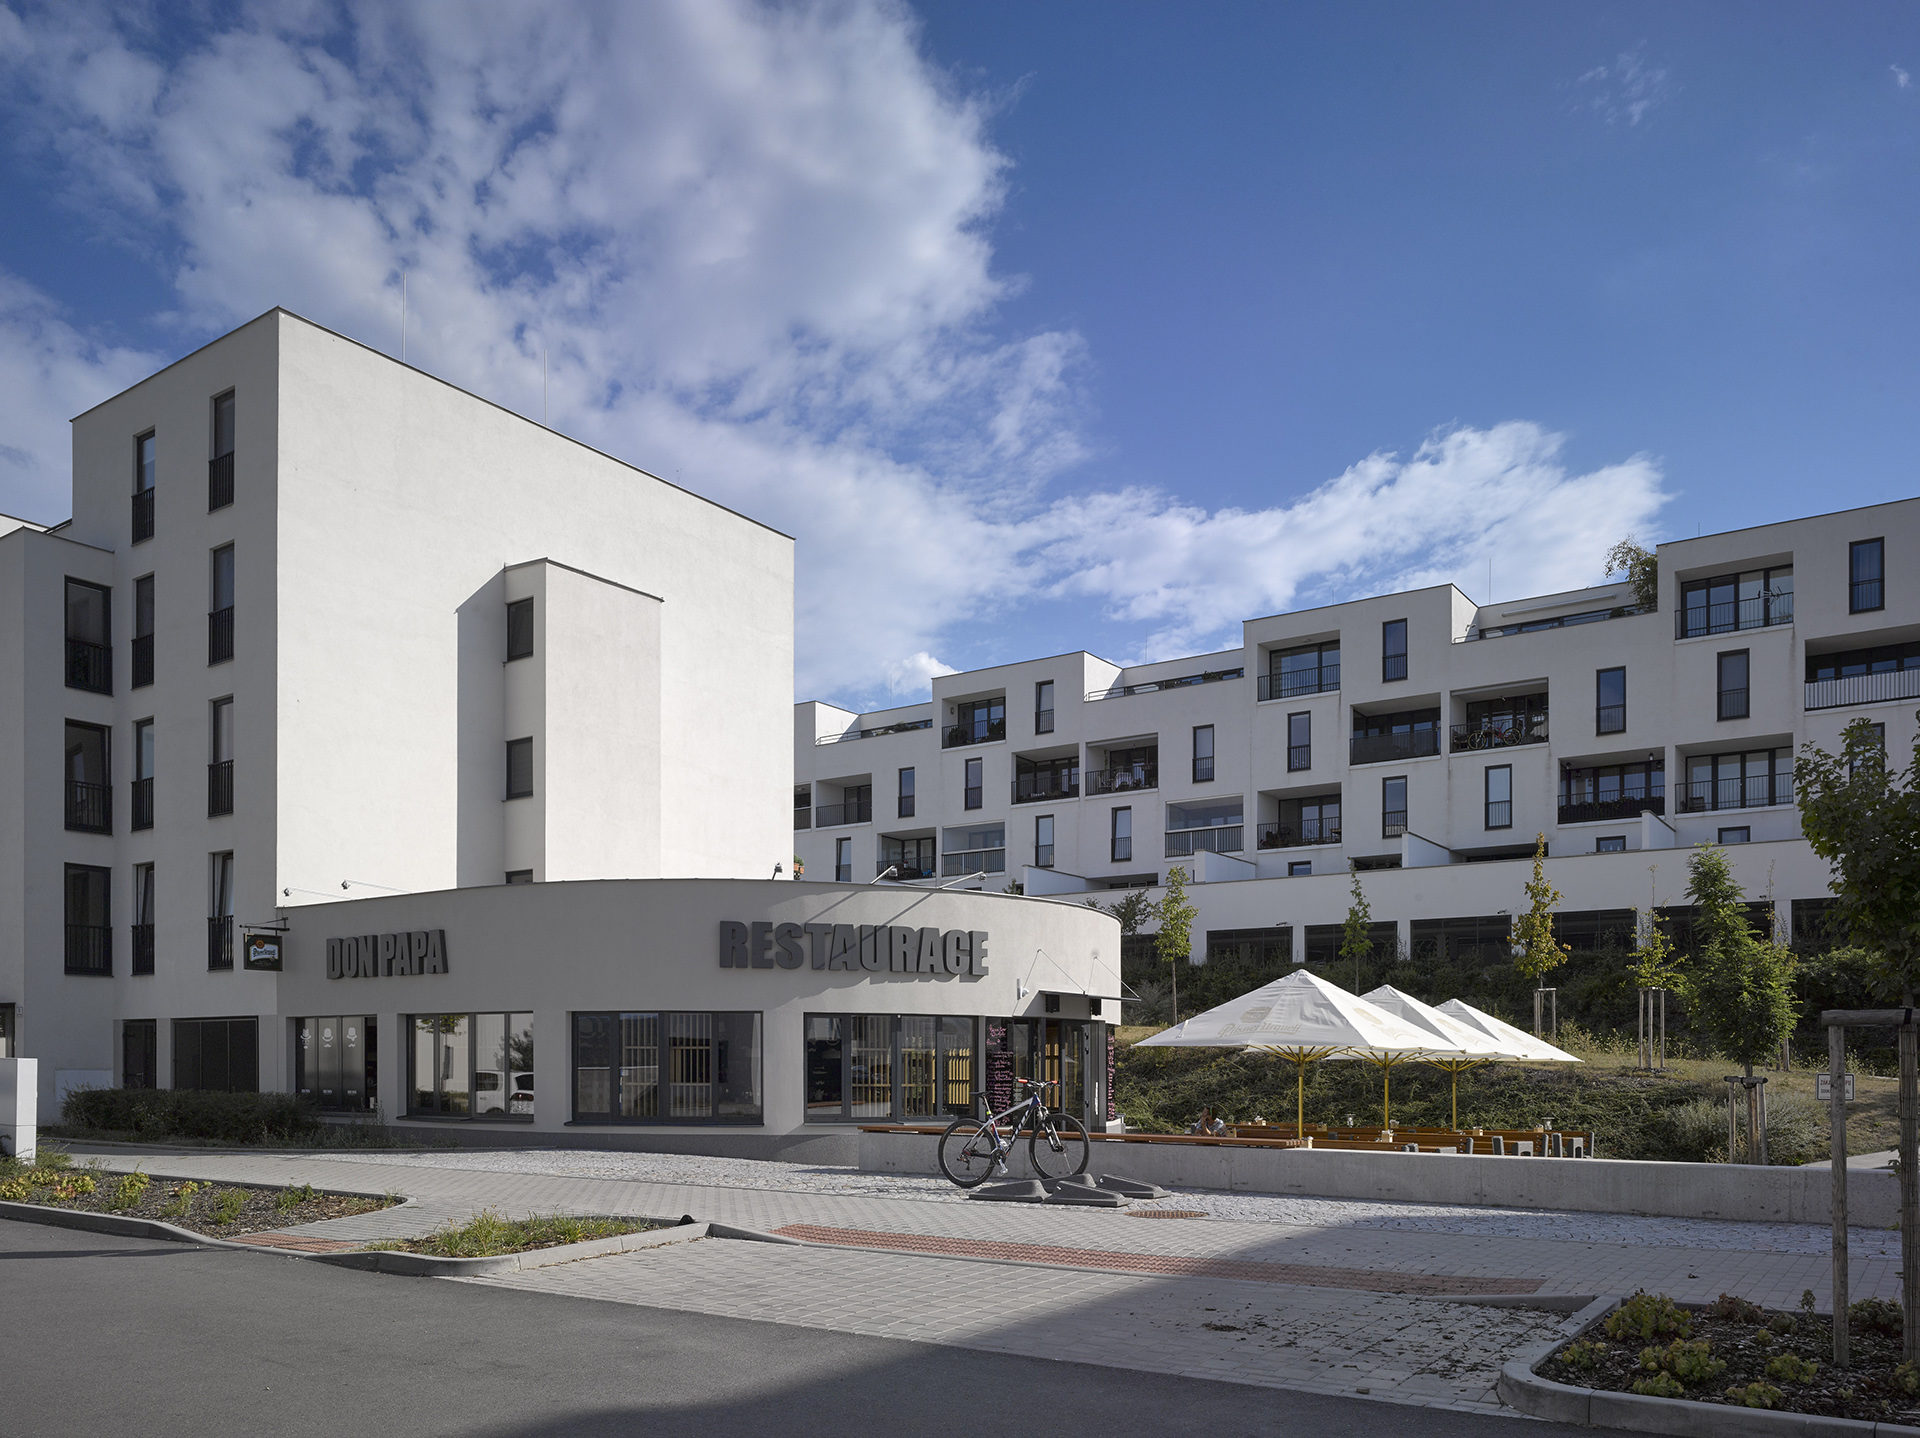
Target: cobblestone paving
pixel 1294 1212
pixel 1320 1340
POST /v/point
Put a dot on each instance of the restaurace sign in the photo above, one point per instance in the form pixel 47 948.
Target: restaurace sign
pixel 870 948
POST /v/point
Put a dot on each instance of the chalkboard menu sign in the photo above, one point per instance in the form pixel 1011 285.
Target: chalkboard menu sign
pixel 1111 1046
pixel 999 1085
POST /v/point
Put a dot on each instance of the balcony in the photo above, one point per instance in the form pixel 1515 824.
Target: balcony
pixel 142 949
pixel 1630 806
pixel 1156 686
pixel 142 515
pixel 89 666
pixel 1853 689
pixel 1393 823
pixel 89 949
pixel 1383 748
pixel 1294 684
pixel 89 807
pixel 832 816
pixel 1522 729
pixel 974 861
pixel 1045 784
pixel 142 660
pixel 1864 596
pixel 803 818
pixel 1761 611
pixel 956 735
pixel 220 941
pixel 219 482
pixel 220 635
pixel 1043 721
pixel 1499 813
pixel 1285 836
pixel 1131 779
pixel 219 788
pixel 1733 703
pixel 903 870
pixel 1755 791
pixel 142 804
pixel 905 727
pixel 1217 839
pixel 1560 621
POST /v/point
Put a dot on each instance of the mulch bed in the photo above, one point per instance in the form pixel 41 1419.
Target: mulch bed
pixel 1747 1339
pixel 199 1207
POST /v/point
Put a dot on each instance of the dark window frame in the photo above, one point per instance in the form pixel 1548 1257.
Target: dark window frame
pixel 190 1051
pixel 1119 845
pixel 1203 765
pixel 89 662
pixel 89 937
pixel 88 803
pixel 518 876
pixel 1390 828
pixel 1605 718
pixel 843 860
pixel 1300 753
pixel 1735 701
pixel 959 1089
pixel 519 629
pixel 145 462
pixel 220 486
pixel 1390 671
pixel 517 747
pixel 973 783
pixel 1610 844
pixel 1043 706
pixel 1867 596
pixel 140 1053
pixel 1043 851
pixel 409 1092
pixel 1492 806
pixel 1744 830
pixel 662 1067
pixel 1299 868
pixel 907 793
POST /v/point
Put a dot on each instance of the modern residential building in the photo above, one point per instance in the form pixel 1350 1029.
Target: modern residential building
pixel 332 659
pixel 1420 737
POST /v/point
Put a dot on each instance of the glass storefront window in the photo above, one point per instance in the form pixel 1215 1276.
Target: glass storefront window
pixel 687 1067
pixel 471 1066
pixel 824 1067
pixel 335 1063
pixel 869 1067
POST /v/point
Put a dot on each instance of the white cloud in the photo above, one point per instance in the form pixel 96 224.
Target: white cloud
pixel 755 242
pixel 1900 77
pixel 1624 91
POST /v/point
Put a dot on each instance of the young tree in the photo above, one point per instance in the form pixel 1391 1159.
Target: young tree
pixel 1174 944
pixel 1641 567
pixel 1739 987
pixel 1536 953
pixel 1356 935
pixel 1134 912
pixel 1655 965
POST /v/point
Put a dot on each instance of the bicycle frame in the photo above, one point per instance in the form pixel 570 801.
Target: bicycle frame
pixel 1029 1110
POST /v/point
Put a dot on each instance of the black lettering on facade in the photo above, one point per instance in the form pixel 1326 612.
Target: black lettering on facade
pixel 762 945
pixel 845 953
pixel 899 950
pixel 927 959
pixel 787 939
pixel 820 938
pixel 733 945
pixel 977 963
pixel 954 951
pixel 436 951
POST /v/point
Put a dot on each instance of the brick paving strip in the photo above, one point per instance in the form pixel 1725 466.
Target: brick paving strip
pixel 293 1242
pixel 1368 1280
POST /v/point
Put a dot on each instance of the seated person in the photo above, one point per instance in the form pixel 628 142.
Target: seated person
pixel 1208 1124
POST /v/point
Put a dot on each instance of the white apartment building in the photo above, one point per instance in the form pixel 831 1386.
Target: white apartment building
pixel 362 739
pixel 1420 737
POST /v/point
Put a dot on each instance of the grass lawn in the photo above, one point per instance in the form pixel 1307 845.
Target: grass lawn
pixel 487 1234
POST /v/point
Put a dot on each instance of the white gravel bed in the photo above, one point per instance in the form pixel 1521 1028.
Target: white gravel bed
pixel 1296 1212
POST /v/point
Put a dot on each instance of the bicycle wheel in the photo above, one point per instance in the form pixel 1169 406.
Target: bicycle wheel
pixel 1058 1148
pixel 966 1152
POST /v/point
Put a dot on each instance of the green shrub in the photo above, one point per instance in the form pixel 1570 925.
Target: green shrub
pixel 1786 1368
pixel 1584 1355
pixel 288 1199
pixel 1733 1309
pixel 1647 1316
pixel 182 1200
pixel 226 1206
pixel 1755 1395
pixel 1690 1362
pixel 1906 1377
pixel 1878 1315
pixel 191 1113
pixel 1782 1324
pixel 128 1191
pixel 1661 1385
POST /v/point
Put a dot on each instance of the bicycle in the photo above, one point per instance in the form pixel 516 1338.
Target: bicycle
pixel 972 1149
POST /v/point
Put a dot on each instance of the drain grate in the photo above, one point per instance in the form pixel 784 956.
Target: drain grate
pixel 1165 1213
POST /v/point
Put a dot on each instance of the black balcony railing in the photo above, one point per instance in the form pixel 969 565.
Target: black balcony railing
pixel 1588 811
pixel 959 734
pixel 1610 719
pixel 142 660
pixel 1865 595
pixel 90 666
pixel 1299 756
pixel 89 949
pixel 142 804
pixel 1500 734
pixel 829 816
pixel 1762 611
pixel 1043 721
pixel 142 515
pixel 1122 781
pixel 220 941
pixel 142 949
pixel 1286 836
pixel 851 734
pixel 219 788
pixel 219 482
pixel 903 870
pixel 1499 813
pixel 1392 667
pixel 1863 689
pixel 803 818
pixel 220 635
pixel 1037 788
pixel 1733 703
pixel 1218 839
pixel 1043 856
pixel 1160 686
pixel 973 861
pixel 1379 748
pixel 1393 823
pixel 1755 791
pixel 1323 680
pixel 89 807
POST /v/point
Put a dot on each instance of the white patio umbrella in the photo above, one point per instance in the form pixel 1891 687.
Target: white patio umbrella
pixel 1477 1049
pixel 1520 1046
pixel 1302 1019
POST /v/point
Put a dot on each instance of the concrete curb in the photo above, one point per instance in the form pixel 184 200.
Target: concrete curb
pixel 422 1265
pixel 121 1225
pixel 1521 1388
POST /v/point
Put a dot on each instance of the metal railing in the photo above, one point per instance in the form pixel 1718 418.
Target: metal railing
pixel 974 861
pixel 89 666
pixel 956 735
pixel 1561 621
pixel 219 482
pixel 89 807
pixel 1631 806
pixel 1393 823
pixel 904 727
pixel 1733 703
pixel 903 870
pixel 142 804
pixel 1757 791
pixel 1610 719
pixel 1043 721
pixel 1123 781
pixel 142 660
pixel 1521 729
pixel 142 962
pixel 220 635
pixel 1218 839
pixel 1379 748
pixel 1284 836
pixel 1499 813
pixel 1762 611
pixel 1299 756
pixel 1156 686
pixel 828 816
pixel 142 515
pixel 220 941
pixel 219 788
pixel 1863 689
pixel 1043 856
pixel 1392 667
pixel 803 818
pixel 89 949
pixel 1864 595
pixel 1036 788
pixel 1323 680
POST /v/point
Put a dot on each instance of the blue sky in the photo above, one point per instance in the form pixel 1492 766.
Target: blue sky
pixel 1040 326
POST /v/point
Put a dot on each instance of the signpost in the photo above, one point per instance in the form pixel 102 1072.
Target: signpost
pixel 1823 1088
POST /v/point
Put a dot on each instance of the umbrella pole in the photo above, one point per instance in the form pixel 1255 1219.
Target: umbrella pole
pixel 1456 1100
pixel 1299 1099
pixel 1386 1095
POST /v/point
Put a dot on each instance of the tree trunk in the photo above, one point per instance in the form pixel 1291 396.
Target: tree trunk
pixel 1837 1156
pixel 1910 1190
pixel 1173 968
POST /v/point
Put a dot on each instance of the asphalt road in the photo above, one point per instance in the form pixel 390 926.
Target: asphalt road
pixel 106 1335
